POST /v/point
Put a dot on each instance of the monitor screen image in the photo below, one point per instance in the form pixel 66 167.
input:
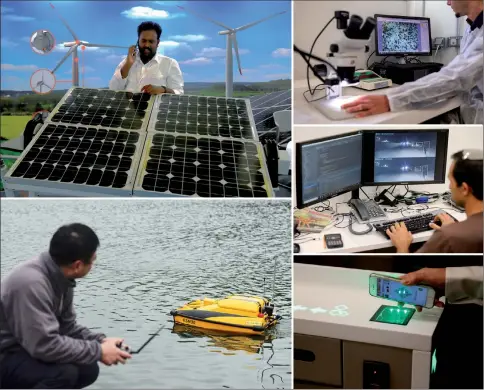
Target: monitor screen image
pixel 330 167
pixel 405 157
pixel 413 295
pixel 398 35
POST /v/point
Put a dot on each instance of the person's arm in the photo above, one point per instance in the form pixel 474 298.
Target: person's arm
pixel 460 75
pixel 463 283
pixel 120 77
pixel 70 327
pixel 437 243
pixel 175 82
pixel 31 319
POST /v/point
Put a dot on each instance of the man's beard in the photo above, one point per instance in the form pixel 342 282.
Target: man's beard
pixel 146 55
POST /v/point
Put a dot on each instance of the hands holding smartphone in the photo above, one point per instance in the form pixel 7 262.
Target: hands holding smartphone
pixel 434 277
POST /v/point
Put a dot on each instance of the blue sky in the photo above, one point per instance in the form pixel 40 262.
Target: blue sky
pixel 265 49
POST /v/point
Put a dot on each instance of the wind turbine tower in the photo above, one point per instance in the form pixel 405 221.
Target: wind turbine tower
pixel 232 45
pixel 73 50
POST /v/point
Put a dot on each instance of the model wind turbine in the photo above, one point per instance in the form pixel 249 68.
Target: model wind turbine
pixel 73 50
pixel 231 43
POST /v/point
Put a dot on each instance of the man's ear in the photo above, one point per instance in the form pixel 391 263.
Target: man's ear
pixel 466 190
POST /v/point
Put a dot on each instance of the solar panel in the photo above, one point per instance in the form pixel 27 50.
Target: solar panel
pixel 78 158
pixel 193 165
pixel 264 107
pixel 205 116
pixel 102 107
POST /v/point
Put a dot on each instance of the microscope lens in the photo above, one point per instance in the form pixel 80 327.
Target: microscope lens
pixel 355 23
pixel 368 28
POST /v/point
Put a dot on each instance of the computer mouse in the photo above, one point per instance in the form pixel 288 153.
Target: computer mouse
pixel 297 248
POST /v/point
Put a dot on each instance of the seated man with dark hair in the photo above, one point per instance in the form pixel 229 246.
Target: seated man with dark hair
pixel 41 344
pixel 143 70
pixel 466 186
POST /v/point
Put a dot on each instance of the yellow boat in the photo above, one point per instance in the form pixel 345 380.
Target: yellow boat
pixel 234 314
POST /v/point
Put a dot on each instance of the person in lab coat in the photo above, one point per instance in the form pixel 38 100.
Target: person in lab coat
pixel 462 77
pixel 458 338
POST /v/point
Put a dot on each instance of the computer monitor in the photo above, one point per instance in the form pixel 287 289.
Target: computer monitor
pixel 404 157
pixel 402 35
pixel 327 167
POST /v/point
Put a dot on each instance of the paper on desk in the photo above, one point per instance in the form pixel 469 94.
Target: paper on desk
pixel 311 219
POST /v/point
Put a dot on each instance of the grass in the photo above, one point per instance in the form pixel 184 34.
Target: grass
pixel 13 126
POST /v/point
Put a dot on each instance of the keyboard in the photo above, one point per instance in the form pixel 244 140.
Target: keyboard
pixel 415 224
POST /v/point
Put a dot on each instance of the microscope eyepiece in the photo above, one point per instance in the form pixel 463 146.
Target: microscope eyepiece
pixel 368 28
pixel 353 30
pixel 342 19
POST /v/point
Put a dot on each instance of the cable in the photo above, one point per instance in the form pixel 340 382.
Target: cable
pixel 311 51
pixel 360 233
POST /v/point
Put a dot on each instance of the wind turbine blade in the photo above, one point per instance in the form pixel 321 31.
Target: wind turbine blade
pixel 65 58
pixel 204 17
pixel 101 45
pixel 259 21
pixel 236 48
pixel 65 23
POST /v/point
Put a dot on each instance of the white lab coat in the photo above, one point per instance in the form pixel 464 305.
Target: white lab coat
pixel 462 77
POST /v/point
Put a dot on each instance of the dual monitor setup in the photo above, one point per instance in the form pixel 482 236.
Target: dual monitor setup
pixel 332 166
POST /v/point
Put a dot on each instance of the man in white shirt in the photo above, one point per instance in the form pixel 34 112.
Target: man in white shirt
pixel 144 70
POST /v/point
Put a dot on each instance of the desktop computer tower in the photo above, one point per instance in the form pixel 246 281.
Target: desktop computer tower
pixel 405 73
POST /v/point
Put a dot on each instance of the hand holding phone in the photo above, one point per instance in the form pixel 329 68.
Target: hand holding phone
pixel 132 54
pixel 393 289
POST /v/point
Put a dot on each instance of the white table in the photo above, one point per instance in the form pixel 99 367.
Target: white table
pixel 318 288
pixel 304 113
pixel 313 242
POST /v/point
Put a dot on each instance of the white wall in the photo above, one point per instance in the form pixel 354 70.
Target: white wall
pixel 460 137
pixel 311 16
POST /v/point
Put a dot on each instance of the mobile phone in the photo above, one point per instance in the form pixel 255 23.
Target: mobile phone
pixel 387 287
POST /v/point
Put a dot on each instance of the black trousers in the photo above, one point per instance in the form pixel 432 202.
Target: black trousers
pixel 457 342
pixel 18 370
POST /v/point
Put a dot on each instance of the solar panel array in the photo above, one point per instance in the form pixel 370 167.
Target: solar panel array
pixel 120 143
pixel 264 107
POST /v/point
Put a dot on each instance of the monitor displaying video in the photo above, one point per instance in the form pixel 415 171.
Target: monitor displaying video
pixel 405 157
pixel 328 167
pixel 402 35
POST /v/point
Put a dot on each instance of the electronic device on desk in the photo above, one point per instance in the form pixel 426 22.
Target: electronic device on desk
pixel 374 84
pixel 415 224
pixel 367 211
pixel 331 166
pixel 296 248
pixel 333 241
pixel 401 37
pixel 387 287
pixel 386 198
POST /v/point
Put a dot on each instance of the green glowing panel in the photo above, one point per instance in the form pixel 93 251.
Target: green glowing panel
pixel 393 315
pixel 434 361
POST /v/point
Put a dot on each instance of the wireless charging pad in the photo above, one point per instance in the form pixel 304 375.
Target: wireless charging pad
pixel 393 315
pixel 331 108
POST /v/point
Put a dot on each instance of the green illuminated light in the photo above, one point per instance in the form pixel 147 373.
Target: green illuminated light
pixel 434 361
pixel 393 315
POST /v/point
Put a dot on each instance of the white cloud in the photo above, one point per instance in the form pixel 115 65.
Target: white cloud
pixel 87 69
pixel 172 44
pixel 4 10
pixel 218 52
pixel 114 58
pixel 170 3
pixel 270 66
pixel 19 68
pixel 102 50
pixel 148 13
pixel 189 38
pixel 25 39
pixel 281 52
pixel 278 76
pixel 6 42
pixel 16 18
pixel 197 61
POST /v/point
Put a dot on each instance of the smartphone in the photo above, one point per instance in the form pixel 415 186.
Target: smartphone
pixel 136 49
pixel 386 287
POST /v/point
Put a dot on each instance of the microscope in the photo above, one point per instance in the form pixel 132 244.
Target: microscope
pixel 339 68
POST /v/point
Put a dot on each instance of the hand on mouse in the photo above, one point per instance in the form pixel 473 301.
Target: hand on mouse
pixel 441 220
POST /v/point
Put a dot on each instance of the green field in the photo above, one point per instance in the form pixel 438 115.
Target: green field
pixel 13 126
pixel 236 94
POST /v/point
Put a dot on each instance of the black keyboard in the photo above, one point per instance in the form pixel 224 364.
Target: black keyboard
pixel 415 224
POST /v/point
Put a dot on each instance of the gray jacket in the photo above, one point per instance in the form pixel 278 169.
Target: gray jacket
pixel 37 314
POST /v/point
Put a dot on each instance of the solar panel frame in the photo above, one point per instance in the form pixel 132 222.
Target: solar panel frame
pixel 156 111
pixel 58 188
pixel 139 191
pixel 70 92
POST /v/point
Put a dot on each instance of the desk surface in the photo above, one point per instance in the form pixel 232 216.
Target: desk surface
pixel 318 288
pixel 305 114
pixel 313 242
